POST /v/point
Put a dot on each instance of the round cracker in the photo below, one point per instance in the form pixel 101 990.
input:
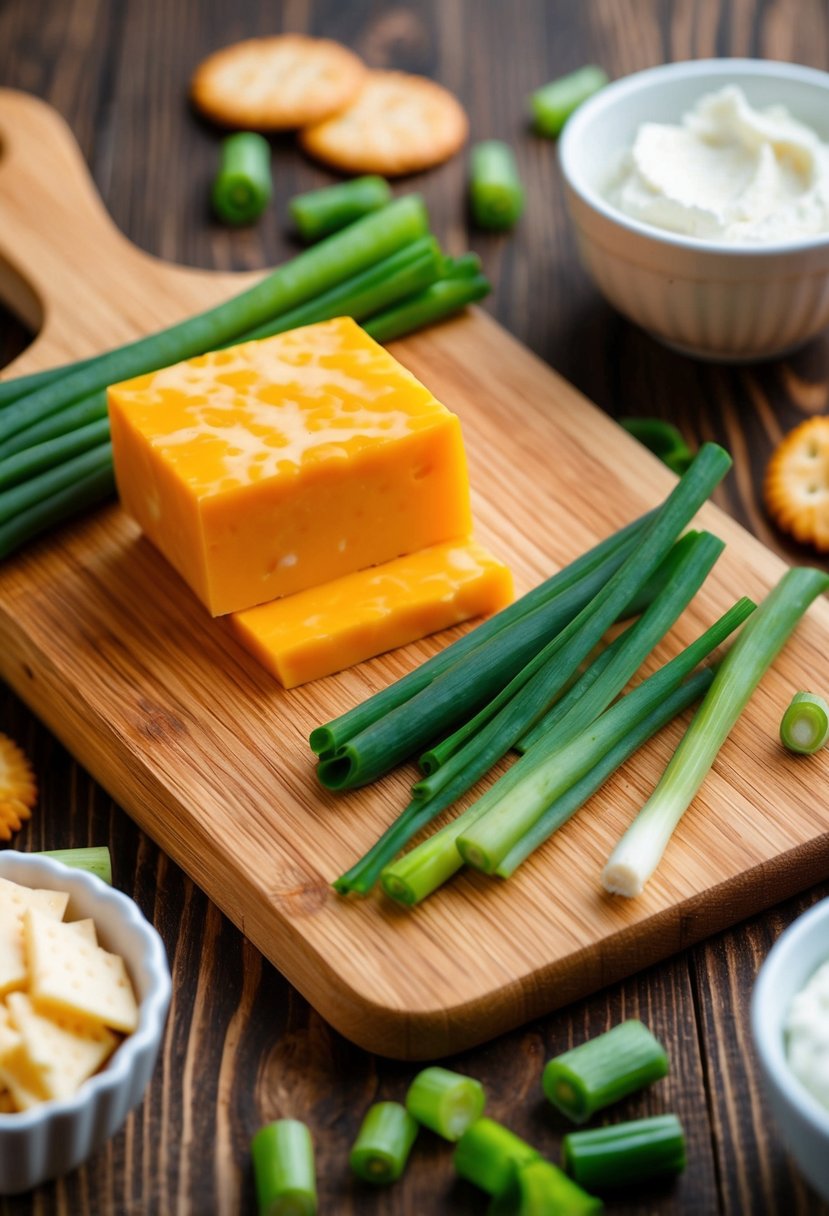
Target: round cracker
pixel 278 83
pixel 398 123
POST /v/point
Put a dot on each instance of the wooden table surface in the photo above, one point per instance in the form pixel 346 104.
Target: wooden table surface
pixel 241 1046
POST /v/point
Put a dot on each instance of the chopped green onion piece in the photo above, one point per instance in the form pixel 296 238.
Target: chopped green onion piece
pixel 283 1169
pixel 638 853
pixel 488 1153
pixel 465 266
pixel 542 1189
pixel 663 439
pixel 566 805
pixel 335 733
pixel 320 212
pixel 804 726
pixel 383 1143
pixel 445 1102
pixel 441 300
pixel 93 860
pixel 242 188
pixel 496 195
pixel 553 103
pixel 602 1070
pixel 625 1154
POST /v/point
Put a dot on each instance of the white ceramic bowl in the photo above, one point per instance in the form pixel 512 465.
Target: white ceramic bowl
pixel 803 1122
pixel 51 1139
pixel 705 298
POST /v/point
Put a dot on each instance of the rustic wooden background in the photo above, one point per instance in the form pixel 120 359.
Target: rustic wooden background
pixel 241 1046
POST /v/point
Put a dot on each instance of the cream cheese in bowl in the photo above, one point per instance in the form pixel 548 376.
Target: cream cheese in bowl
pixel 807 1032
pixel 728 172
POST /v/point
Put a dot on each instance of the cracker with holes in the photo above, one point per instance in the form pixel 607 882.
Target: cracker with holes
pixel 70 976
pixel 397 124
pixel 18 789
pixel 64 1001
pixel 796 486
pixel 279 83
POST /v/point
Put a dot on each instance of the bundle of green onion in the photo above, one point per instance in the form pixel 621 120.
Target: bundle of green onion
pixel 384 270
pixel 518 682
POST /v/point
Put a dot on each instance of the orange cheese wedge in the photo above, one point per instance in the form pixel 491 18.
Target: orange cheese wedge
pixel 285 463
pixel 325 629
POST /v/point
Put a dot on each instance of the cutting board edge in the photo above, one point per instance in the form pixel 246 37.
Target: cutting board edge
pixel 434 1033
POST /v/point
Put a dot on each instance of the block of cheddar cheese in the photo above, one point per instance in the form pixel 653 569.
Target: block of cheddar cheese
pixel 325 629
pixel 281 464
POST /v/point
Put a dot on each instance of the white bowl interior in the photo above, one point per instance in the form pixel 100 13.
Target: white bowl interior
pixel 121 929
pixel 598 134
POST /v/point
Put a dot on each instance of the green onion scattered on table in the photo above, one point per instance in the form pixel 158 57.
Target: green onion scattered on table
pixel 640 850
pixel 496 196
pixel 663 439
pixel 625 1154
pixel 602 1070
pixel 487 1153
pixel 804 726
pixel 320 212
pixel 242 188
pixel 445 1102
pixel 383 1143
pixel 553 103
pixel 542 1189
pixel 283 1169
pixel 94 860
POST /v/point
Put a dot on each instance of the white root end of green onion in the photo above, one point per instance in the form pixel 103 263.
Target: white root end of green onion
pixel 640 851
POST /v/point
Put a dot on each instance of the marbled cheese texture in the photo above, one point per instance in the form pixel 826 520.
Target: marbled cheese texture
pixel 285 463
pixel 328 628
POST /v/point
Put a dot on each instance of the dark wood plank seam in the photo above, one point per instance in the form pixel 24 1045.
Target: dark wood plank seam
pixel 705 1064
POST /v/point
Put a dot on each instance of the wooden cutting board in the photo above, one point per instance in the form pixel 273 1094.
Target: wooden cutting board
pixel 105 643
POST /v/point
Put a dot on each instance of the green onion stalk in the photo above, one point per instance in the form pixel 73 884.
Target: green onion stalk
pixel 640 850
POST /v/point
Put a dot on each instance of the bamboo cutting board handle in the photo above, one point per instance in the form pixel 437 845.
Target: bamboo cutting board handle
pixel 65 268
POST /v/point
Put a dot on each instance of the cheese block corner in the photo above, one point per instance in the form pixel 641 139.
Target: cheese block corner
pixel 326 629
pixel 287 462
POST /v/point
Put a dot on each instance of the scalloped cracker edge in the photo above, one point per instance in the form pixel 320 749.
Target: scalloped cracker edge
pixel 398 123
pixel 796 486
pixel 275 84
pixel 18 788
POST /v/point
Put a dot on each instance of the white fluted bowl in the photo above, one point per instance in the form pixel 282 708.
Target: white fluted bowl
pixel 53 1138
pixel 710 299
pixel 803 1122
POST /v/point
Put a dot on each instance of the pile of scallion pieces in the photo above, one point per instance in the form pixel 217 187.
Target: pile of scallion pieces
pixel 527 680
pixel 385 270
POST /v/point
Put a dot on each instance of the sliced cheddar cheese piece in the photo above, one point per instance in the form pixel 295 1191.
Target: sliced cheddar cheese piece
pixel 325 629
pixel 285 463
